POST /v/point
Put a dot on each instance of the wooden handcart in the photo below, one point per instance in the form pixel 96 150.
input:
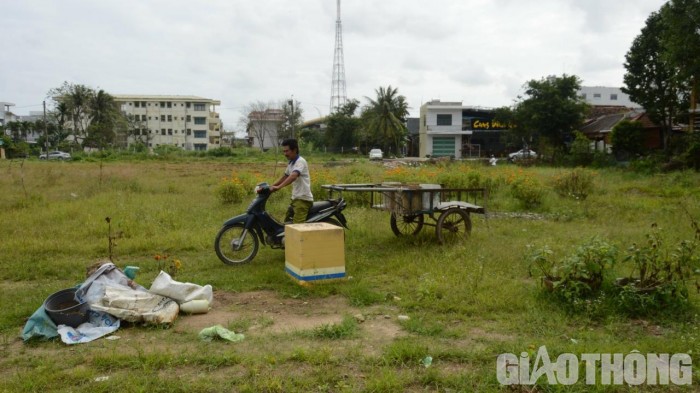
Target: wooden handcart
pixel 448 209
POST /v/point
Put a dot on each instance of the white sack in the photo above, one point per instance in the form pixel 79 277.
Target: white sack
pixel 137 306
pixel 182 292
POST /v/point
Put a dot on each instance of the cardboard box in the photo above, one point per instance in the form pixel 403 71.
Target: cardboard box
pixel 314 252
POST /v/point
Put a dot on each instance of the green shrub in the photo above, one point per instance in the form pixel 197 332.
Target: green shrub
pixel 236 188
pixel 527 191
pixel 659 276
pixel 577 184
pixel 580 275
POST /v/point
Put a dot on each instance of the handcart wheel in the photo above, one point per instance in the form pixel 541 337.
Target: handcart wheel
pixel 406 225
pixel 453 225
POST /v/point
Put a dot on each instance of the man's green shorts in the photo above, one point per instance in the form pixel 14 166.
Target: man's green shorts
pixel 301 210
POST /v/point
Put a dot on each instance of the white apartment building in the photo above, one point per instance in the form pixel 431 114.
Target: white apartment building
pixel 606 96
pixel 187 122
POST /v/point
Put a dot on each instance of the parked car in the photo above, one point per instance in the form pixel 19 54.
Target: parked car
pixel 520 154
pixel 376 154
pixel 56 155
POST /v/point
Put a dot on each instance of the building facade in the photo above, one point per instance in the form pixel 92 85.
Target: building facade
pixel 263 128
pixel 6 114
pixel 606 96
pixel 187 122
pixel 450 129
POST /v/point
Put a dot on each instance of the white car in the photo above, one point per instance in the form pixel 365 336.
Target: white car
pixel 376 154
pixel 520 154
pixel 56 155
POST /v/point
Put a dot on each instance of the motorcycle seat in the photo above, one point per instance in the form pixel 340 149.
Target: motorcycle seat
pixel 318 206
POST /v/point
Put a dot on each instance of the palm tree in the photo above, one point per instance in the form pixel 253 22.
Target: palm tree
pixel 386 118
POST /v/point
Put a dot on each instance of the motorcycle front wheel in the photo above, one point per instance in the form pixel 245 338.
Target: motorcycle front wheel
pixel 234 250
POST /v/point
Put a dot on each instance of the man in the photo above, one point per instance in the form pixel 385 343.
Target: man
pixel 296 174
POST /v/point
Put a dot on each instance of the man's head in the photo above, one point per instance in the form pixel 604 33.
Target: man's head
pixel 290 148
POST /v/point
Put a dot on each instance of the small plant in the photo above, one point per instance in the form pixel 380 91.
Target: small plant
pixel 577 184
pixel 580 275
pixel 233 189
pixel 346 329
pixel 659 276
pixel 169 265
pixel 528 191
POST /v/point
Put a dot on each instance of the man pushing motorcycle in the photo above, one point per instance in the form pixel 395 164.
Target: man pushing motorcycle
pixel 297 174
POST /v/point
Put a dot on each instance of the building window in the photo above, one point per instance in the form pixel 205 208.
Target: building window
pixel 170 117
pixel 444 120
pixel 136 104
pixel 189 118
pixel 200 146
pixel 596 95
pixel 189 131
pixel 162 131
pixel 162 104
pixel 162 117
pixel 187 104
pixel 200 120
pixel 198 106
pixel 613 97
pixel 143 104
pixel 170 104
pixel 143 117
pixel 200 134
pixel 170 131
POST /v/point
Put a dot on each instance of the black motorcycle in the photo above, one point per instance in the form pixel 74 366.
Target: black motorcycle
pixel 239 239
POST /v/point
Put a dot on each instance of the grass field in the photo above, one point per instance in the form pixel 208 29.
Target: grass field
pixel 466 303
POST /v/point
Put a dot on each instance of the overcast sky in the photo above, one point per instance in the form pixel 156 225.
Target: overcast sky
pixel 479 52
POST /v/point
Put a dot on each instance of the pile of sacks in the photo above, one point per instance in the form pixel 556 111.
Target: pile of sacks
pixel 112 296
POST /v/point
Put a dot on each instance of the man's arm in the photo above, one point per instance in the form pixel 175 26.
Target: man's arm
pixel 284 182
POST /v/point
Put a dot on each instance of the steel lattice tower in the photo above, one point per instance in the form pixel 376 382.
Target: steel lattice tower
pixel 338 94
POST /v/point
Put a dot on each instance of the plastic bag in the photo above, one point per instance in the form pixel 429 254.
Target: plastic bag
pixel 218 331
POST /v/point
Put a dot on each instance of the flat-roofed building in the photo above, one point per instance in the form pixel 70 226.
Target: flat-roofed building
pixel 187 122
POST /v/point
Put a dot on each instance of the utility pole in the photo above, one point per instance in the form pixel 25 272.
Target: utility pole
pixel 46 132
pixel 291 118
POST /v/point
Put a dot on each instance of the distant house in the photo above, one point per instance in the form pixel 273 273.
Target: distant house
pixel 263 128
pixel 599 128
pixel 452 129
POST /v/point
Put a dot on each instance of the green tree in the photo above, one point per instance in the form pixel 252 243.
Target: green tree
pixel 385 118
pixel 550 111
pixel 104 116
pixel 294 116
pixel 651 80
pixel 580 152
pixel 627 139
pixel 76 99
pixel 342 127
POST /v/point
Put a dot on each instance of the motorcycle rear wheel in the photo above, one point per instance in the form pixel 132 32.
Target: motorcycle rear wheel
pixel 225 245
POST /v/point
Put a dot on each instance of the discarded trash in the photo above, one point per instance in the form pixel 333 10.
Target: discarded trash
pixel 137 306
pixel 427 361
pixel 63 309
pixel 404 317
pixel 195 307
pixel 218 331
pixel 130 271
pixel 99 324
pixel 181 292
pixel 102 379
pixel 112 338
